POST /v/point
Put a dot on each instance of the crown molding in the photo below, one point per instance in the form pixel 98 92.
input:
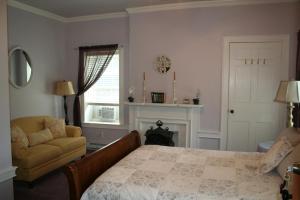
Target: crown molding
pixel 202 4
pixel 97 17
pixel 145 9
pixel 50 15
pixel 35 10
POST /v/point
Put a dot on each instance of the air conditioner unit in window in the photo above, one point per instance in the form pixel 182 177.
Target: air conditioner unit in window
pixel 107 114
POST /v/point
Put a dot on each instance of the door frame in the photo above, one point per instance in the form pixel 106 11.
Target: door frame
pixel 284 39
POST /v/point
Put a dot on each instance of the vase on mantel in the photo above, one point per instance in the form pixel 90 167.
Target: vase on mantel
pixel 196 100
pixel 131 99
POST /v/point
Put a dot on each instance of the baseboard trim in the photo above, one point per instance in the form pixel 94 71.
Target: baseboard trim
pixel 209 134
pixel 94 146
pixel 8 173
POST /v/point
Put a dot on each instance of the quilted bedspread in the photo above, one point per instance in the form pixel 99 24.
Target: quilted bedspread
pixel 163 173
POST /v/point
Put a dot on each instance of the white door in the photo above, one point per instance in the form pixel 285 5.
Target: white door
pixel 255 72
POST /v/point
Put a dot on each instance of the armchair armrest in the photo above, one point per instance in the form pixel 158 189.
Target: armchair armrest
pixel 73 131
pixel 17 151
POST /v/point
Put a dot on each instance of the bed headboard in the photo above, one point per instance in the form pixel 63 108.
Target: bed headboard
pixel 82 173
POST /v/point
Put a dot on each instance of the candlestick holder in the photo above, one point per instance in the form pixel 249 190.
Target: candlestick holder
pixel 144 91
pixel 174 92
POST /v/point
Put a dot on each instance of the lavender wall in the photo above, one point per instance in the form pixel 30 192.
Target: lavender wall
pixel 6 188
pixel 98 32
pixel 193 40
pixel 44 41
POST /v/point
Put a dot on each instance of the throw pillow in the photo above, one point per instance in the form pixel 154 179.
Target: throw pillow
pixel 275 155
pixel 39 137
pixel 292 134
pixel 56 126
pixel 289 160
pixel 18 136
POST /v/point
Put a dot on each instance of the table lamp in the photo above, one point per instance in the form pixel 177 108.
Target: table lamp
pixel 64 88
pixel 289 92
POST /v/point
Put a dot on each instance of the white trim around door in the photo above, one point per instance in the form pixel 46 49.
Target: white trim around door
pixel 8 173
pixel 284 39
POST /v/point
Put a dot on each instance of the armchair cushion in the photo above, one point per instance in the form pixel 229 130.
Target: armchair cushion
pixel 30 124
pixel 73 131
pixel 56 126
pixel 17 150
pixel 18 136
pixel 39 137
pixel 36 155
pixel 68 144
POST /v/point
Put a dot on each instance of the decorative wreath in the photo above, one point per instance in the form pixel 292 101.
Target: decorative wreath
pixel 163 64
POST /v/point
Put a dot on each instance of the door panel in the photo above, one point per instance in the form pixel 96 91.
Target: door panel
pixel 255 73
pixel 239 133
pixel 264 86
pixel 242 84
pixel 263 131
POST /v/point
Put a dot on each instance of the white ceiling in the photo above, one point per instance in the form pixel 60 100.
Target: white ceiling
pixel 74 8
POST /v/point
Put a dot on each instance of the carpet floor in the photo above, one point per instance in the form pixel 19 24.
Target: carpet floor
pixel 53 186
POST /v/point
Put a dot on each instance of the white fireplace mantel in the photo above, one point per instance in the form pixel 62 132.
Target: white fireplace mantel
pixel 183 119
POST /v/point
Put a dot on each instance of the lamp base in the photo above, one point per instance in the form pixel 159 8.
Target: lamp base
pixel 66 110
pixel 290 122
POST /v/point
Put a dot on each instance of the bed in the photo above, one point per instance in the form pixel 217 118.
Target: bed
pixel 127 170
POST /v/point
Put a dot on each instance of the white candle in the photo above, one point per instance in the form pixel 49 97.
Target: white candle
pixel 144 87
pixel 174 91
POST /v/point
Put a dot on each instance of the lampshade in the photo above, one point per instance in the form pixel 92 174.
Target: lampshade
pixel 64 88
pixel 288 92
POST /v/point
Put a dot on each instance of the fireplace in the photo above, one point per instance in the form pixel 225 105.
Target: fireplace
pixel 159 136
pixel 182 119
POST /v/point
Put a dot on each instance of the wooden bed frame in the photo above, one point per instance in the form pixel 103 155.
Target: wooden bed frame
pixel 82 173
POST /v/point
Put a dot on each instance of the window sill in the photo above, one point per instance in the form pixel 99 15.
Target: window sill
pixel 105 126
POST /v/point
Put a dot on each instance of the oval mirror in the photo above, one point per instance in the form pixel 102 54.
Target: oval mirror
pixel 20 68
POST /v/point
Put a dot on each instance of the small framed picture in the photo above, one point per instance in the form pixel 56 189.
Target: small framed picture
pixel 158 97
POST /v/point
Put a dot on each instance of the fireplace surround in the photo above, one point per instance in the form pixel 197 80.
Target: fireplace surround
pixel 182 119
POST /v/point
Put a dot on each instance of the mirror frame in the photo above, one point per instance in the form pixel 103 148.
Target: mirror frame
pixel 9 67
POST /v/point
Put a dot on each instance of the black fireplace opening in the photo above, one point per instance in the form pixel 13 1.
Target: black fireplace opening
pixel 159 136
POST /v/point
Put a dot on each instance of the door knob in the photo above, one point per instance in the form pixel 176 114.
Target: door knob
pixel 231 111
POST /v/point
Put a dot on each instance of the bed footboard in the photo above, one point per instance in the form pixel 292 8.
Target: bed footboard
pixel 82 173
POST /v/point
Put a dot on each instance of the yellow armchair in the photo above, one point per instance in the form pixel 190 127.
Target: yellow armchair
pixel 35 161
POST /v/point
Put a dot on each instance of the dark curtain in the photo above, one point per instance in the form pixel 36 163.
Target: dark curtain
pixel 296 112
pixel 93 61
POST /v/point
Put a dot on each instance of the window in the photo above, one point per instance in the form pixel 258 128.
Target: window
pixel 102 101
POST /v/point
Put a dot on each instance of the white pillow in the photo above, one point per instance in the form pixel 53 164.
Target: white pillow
pixel 275 155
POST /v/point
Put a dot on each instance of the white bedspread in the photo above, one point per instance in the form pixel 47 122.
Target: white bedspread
pixel 171 173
